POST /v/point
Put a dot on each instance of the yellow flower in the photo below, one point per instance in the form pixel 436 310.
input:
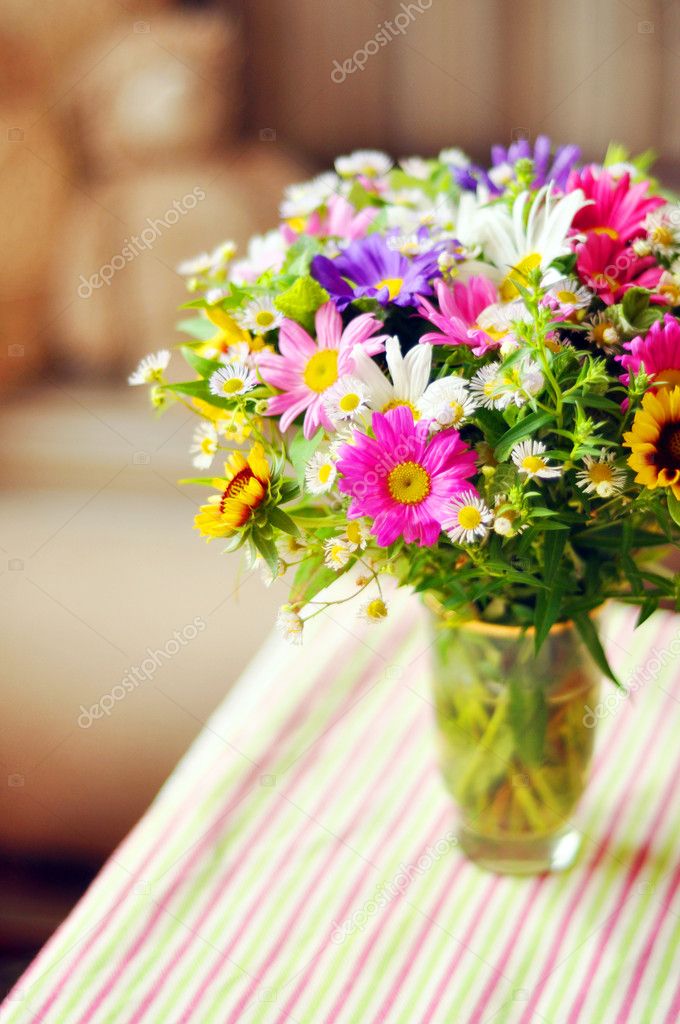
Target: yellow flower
pixel 232 424
pixel 244 487
pixel 228 335
pixel 654 440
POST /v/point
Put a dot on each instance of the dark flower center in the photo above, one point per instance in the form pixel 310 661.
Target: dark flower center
pixel 668 447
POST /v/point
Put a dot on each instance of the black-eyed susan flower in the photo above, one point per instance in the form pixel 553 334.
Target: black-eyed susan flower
pixel 245 487
pixel 654 441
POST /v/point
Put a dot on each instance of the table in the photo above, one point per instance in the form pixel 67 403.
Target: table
pixel 299 863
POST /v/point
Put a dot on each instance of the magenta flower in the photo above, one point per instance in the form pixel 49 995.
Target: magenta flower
pixel 610 268
pixel 618 209
pixel 658 353
pixel 403 481
pixel 306 368
pixel 456 319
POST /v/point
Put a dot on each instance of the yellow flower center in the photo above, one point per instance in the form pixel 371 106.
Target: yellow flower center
pixel 457 411
pixel 409 483
pixel 519 275
pixel 662 235
pixel 600 473
pixel 207 446
pixel 233 385
pixel 376 609
pixel 353 532
pixel 393 285
pixel 566 297
pixel 237 485
pixel 349 402
pixel 297 224
pixel 533 463
pixel 322 370
pixel 396 403
pixel 469 517
pixel 325 472
pixel 264 318
pixel 602 230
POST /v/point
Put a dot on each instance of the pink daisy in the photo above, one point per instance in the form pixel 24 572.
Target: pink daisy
pixel 341 219
pixel 460 306
pixel 610 268
pixel 305 369
pixel 658 352
pixel 618 209
pixel 401 480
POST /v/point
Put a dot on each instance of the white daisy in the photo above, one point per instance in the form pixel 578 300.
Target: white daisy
pixel 367 163
pixel 357 535
pixel 454 157
pixel 600 476
pixel 336 552
pixel 410 375
pixel 265 252
pixel 448 402
pixel 568 294
pixel 150 369
pixel 467 519
pixel 528 457
pixel 487 387
pixel 346 399
pixel 663 229
pixel 290 624
pixel 374 611
pixel 415 167
pixel 204 446
pixel 260 315
pixel 233 379
pixel 307 196
pixel 517 244
pixel 320 473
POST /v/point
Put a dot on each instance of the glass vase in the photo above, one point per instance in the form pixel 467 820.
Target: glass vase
pixel 515 740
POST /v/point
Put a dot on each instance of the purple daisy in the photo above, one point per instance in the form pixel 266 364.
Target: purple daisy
pixel 371 269
pixel 547 166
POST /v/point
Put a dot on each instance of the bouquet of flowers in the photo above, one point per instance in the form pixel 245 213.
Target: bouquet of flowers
pixel 464 378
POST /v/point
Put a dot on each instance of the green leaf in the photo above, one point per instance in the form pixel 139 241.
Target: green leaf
pixel 300 451
pixel 278 518
pixel 590 637
pixel 198 327
pixel 674 508
pixel 205 367
pixel 549 600
pixel 311 577
pixel 301 301
pixel 525 428
pixel 267 548
pixel 202 481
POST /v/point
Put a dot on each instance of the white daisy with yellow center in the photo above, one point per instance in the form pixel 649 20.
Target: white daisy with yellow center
pixel 374 611
pixel 529 237
pixel 357 535
pixel 467 519
pixel 290 624
pixel 529 457
pixel 320 473
pixel 150 369
pixel 448 403
pixel 204 446
pixel 367 163
pixel 336 552
pixel 260 316
pixel 232 380
pixel 408 381
pixel 601 476
pixel 347 399
pixel 663 230
pixel 570 293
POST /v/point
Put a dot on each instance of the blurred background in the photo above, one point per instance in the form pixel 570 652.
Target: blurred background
pixel 180 124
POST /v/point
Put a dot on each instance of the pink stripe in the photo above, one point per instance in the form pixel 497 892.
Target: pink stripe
pixel 358 816
pixel 418 944
pixel 227 879
pixel 636 867
pixel 673 1015
pixel 296 718
pixel 360 963
pixel 589 873
pixel 643 960
pixel 208 839
pixel 612 741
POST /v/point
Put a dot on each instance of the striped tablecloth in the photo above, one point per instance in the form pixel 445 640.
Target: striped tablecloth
pixel 298 865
